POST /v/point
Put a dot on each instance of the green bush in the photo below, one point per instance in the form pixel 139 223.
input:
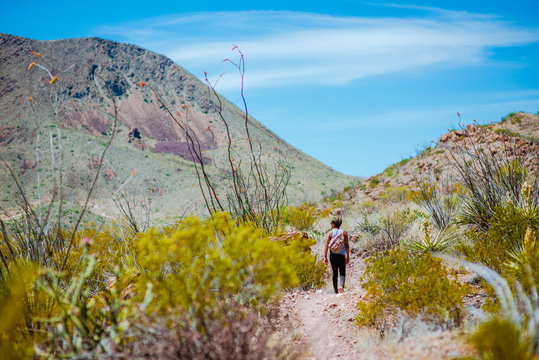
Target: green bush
pixel 15 311
pixel 191 271
pixel 394 225
pixel 416 285
pixel 84 324
pixel 311 273
pixel 373 182
pixel 502 246
pixel 301 218
pixel 205 262
pixel 368 225
pixel 500 339
pixel 394 194
pixel 491 182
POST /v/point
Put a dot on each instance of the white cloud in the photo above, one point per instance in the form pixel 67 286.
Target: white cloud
pixel 288 48
pixel 439 114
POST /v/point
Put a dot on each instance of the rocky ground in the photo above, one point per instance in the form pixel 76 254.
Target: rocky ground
pixel 325 323
pixel 516 136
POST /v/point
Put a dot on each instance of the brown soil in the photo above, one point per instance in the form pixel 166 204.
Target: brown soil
pixel 326 323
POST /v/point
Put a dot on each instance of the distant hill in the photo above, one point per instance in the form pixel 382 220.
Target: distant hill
pixel 72 116
pixel 517 135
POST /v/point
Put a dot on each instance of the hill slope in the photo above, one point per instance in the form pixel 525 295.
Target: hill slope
pixel 67 122
pixel 516 135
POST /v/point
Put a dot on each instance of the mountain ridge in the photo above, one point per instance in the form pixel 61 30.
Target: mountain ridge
pixel 76 107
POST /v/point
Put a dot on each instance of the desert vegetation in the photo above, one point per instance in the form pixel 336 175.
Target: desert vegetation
pixel 197 288
pixel 445 241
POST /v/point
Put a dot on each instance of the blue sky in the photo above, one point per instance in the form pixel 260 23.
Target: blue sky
pixel 358 85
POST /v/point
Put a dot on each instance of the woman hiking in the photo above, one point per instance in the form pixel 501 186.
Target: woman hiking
pixel 337 243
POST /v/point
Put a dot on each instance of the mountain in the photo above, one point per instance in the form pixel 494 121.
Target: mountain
pixel 517 135
pixel 56 118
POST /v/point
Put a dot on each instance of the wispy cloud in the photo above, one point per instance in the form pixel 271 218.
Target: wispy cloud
pixel 289 48
pixel 437 115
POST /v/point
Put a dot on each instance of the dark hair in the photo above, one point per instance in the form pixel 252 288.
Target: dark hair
pixel 337 222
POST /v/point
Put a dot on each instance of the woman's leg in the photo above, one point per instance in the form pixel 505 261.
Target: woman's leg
pixel 342 269
pixel 335 268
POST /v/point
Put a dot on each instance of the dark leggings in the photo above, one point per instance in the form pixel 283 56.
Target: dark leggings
pixel 338 264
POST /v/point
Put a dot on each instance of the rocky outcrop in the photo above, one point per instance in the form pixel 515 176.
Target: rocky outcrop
pixel 435 164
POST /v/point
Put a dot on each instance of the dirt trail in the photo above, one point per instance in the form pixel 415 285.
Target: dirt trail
pixel 326 320
pixel 326 323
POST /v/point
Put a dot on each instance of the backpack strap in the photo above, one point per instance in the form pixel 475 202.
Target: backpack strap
pixel 335 238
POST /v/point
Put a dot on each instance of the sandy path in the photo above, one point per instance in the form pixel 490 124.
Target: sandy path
pixel 326 323
pixel 326 320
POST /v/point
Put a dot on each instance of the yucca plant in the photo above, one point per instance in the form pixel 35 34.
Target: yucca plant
pixel 441 208
pixel 368 225
pixel 433 241
pixel 519 318
pixel 491 181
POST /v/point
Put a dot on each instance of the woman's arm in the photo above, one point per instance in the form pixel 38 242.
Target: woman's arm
pixel 347 247
pixel 328 237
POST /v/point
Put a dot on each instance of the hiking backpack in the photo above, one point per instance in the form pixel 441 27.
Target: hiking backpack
pixel 337 243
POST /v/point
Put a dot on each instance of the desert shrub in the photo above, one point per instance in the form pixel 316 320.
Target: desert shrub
pixel 502 245
pixel 394 194
pixel 506 132
pixel 490 182
pixel 513 333
pixel 212 276
pixel 237 333
pixel 394 225
pixel 205 262
pixel 302 218
pixel 441 208
pixel 373 182
pixel 311 273
pixel 15 342
pixel 415 285
pixel 499 339
pixel 524 260
pixel 390 171
pixel 433 240
pixel 85 324
pixel 368 225
pixel 479 247
pixel 368 206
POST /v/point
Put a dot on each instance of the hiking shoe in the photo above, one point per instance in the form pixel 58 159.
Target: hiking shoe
pixel 341 290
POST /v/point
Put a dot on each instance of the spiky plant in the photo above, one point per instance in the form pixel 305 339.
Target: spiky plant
pixel 441 208
pixel 491 181
pixel 433 241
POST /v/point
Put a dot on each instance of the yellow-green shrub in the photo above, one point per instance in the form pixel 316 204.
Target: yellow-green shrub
pixel 302 218
pixel 110 246
pixel 204 262
pixel 413 284
pixel 500 339
pixel 15 342
pixel 503 243
pixel 84 324
pixel 394 225
pixel 311 273
pixel 394 194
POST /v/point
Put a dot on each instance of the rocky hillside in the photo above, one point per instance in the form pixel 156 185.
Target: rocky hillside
pixel 515 136
pixel 56 118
